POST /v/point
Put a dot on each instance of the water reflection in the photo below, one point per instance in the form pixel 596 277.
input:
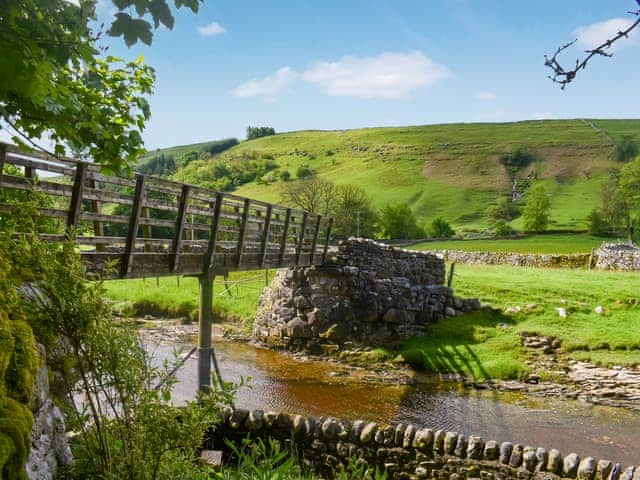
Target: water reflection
pixel 316 388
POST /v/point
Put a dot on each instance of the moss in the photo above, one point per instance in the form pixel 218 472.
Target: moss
pixel 25 362
pixel 16 421
pixel 7 343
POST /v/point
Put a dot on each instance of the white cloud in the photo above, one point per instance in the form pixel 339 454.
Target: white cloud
pixel 267 87
pixel 485 96
pixel 211 30
pixel 591 36
pixel 390 75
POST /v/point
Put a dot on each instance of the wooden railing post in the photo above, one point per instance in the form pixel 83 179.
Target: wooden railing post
pixel 134 222
pixel 265 236
pixel 75 206
pixel 204 332
pixel 98 226
pixel 326 240
pixel 3 157
pixel 300 244
pixel 176 247
pixel 285 234
pixel 146 230
pixel 210 257
pixel 315 239
pixel 243 230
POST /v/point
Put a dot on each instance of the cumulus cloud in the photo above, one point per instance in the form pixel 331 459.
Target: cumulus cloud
pixel 211 30
pixel 591 36
pixel 485 96
pixel 389 75
pixel 268 86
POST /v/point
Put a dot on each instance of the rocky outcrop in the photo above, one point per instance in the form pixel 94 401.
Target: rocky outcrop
pixel 618 256
pixel 49 446
pixel 407 451
pixel 369 294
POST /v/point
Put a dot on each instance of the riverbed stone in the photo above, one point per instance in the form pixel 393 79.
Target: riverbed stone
pixel 399 434
pixel 356 430
pixel 505 452
pixel 269 419
pixel 587 469
pixel 555 462
pixel 570 465
pixel 298 328
pixel 345 429
pixel 627 474
pixel 438 441
pixel 284 422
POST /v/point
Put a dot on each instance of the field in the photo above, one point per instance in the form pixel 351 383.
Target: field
pixel 562 244
pixel 487 344
pixel 450 170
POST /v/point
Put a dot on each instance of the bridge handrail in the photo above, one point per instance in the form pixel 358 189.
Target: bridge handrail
pixel 169 227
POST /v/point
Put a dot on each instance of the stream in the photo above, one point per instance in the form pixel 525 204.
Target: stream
pixel 322 388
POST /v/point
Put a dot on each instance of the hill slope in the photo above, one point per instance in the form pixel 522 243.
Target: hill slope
pixel 450 170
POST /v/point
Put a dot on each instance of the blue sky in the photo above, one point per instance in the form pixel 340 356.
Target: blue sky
pixel 343 64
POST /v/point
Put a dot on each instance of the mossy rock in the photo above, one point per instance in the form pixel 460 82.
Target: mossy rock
pixel 7 343
pixel 16 421
pixel 25 362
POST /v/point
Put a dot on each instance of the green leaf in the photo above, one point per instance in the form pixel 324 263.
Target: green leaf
pixel 193 5
pixel 161 13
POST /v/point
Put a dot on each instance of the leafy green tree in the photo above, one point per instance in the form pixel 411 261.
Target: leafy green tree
pixel 285 175
pixel 440 228
pixel 56 80
pixel 352 213
pixel 314 195
pixel 629 186
pixel 304 171
pixel 598 224
pixel 502 229
pixel 257 132
pixel 397 221
pixel 536 209
pixel 626 149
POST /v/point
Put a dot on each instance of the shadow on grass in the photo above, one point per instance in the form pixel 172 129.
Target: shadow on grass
pixel 481 344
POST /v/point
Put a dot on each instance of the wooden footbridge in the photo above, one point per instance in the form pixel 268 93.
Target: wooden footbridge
pixel 149 226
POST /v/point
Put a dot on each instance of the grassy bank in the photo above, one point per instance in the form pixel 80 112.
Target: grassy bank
pixel 487 344
pixel 552 243
pixel 236 299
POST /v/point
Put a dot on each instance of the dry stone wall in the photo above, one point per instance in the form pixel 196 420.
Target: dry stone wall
pixel 537 260
pixel 369 293
pixel 618 256
pixel 409 451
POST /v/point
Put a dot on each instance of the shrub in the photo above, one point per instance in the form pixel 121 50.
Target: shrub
pixel 502 229
pixel 440 228
pixel 285 175
pixel 598 225
pixel 505 209
pixel 398 222
pixel 626 149
pixel 304 171
pixel 518 159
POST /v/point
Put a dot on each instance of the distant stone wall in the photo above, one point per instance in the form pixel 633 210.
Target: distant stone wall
pixel 369 293
pixel 408 451
pixel 618 256
pixel 538 260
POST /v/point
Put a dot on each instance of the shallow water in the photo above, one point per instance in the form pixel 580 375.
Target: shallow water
pixel 281 383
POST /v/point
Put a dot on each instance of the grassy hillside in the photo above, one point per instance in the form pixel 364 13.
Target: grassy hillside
pixel 450 170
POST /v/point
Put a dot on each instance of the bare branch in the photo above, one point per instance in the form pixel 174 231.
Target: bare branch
pixel 564 77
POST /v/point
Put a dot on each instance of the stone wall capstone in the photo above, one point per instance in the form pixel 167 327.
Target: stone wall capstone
pixel 407 451
pixel 536 260
pixel 369 293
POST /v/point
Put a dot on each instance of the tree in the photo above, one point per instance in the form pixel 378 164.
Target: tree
pixel 536 209
pixel 629 185
pixel 314 195
pixel 257 132
pixel 352 213
pixel 304 171
pixel 440 228
pixel 398 222
pixel 56 80
pixel 626 149
pixel 505 210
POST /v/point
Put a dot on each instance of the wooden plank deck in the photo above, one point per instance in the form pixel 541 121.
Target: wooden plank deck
pixel 149 226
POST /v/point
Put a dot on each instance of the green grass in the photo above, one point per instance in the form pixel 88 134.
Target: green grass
pixel 451 170
pixel 552 243
pixel 137 297
pixel 486 344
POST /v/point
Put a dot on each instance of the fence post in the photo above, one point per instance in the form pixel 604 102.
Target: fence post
pixel 451 270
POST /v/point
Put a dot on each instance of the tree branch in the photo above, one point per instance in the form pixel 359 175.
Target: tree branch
pixel 563 76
